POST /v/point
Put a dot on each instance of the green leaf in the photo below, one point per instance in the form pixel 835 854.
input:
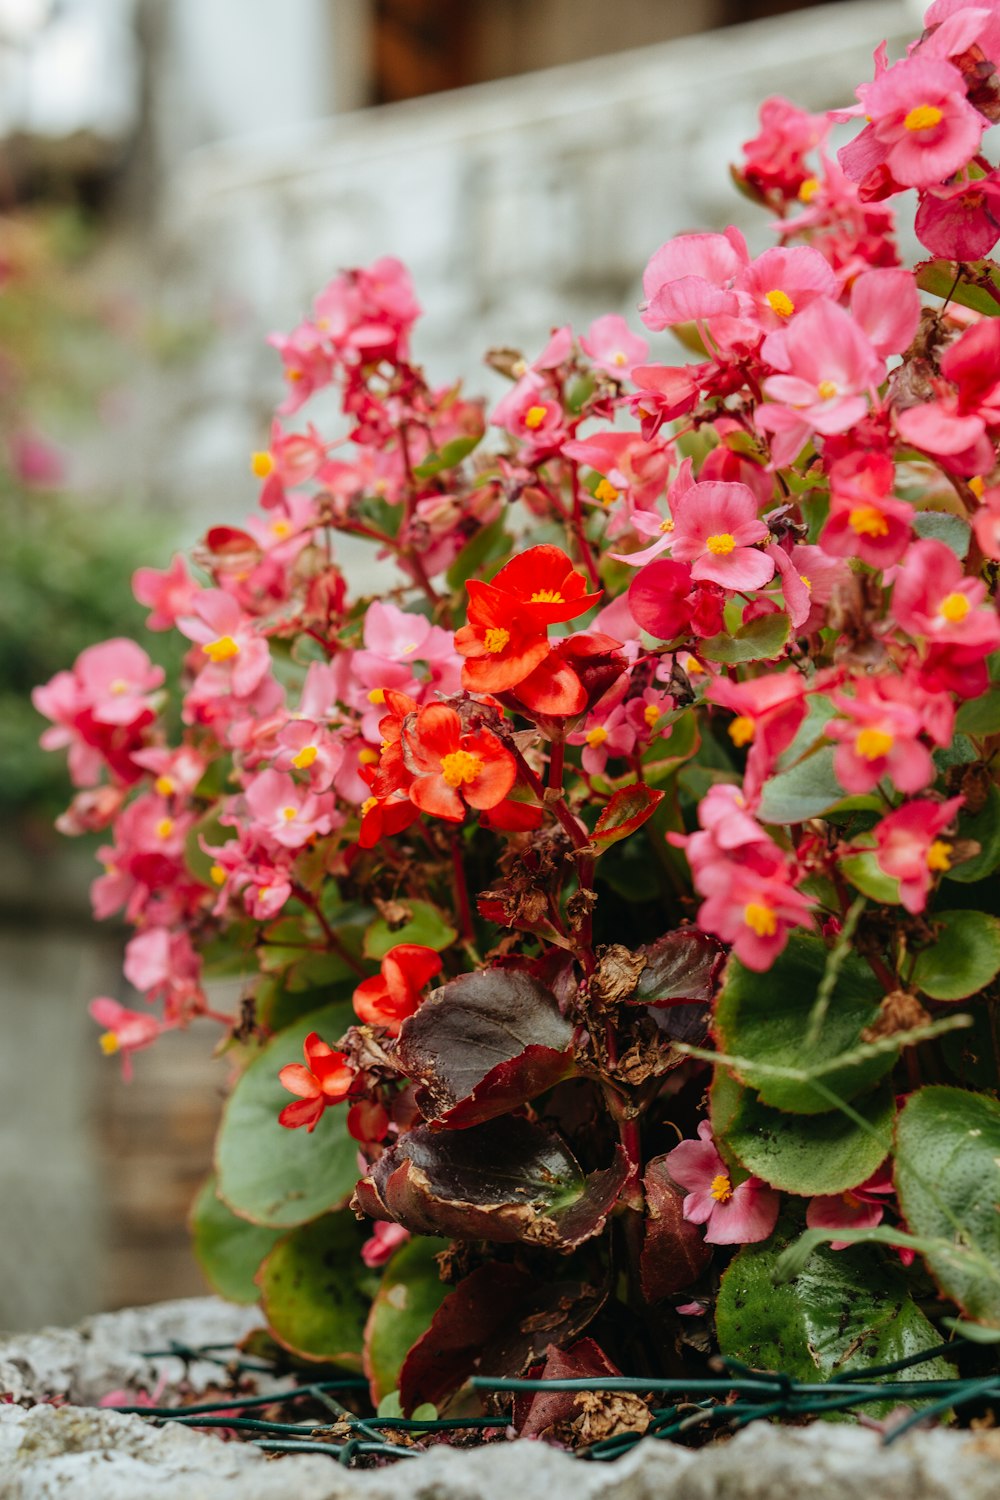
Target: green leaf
pixel 948 1180
pixel 805 1154
pixel 427 926
pixel 939 278
pixel 762 639
pixel 980 716
pixel 984 828
pixel 488 542
pixel 228 1249
pixel 447 457
pixel 846 1310
pixel 867 876
pixel 762 1019
pixel 807 791
pixel 269 1174
pixel 942 526
pixel 410 1294
pixel 965 957
pixel 628 809
pixel 311 1290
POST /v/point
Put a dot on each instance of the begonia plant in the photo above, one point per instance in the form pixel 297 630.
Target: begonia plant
pixel 612 894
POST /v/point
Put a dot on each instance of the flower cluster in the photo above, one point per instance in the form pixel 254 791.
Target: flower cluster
pixel 678 733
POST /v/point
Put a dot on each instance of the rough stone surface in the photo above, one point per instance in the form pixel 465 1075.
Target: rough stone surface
pixel 103 1353
pixel 79 1453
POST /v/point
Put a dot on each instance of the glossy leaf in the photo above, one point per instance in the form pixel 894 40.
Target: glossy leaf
pixel 942 526
pixel 409 1294
pixel 484 1044
pixel 498 1319
pixel 760 1018
pixel 229 1250
pixel 846 1310
pixel 311 1292
pixel 942 279
pixel 271 1175
pixel 674 1252
pixel 804 1154
pixel 506 1180
pixel 964 957
pixel 979 717
pixel 426 926
pixel 948 1180
pixel 628 809
pixel 762 639
pixel 983 827
pixel 807 791
pixel 867 876
pixel 448 457
pixel 681 967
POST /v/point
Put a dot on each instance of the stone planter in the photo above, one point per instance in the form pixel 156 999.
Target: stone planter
pixel 75 1452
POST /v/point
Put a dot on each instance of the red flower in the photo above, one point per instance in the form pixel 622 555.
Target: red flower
pixel 326 1079
pixel 449 766
pixel 389 997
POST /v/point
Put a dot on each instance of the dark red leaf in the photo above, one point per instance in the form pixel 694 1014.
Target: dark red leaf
pixel 506 1180
pixel 537 1411
pixel 628 810
pixel 681 967
pixel 483 1045
pixel 498 1320
pixel 674 1252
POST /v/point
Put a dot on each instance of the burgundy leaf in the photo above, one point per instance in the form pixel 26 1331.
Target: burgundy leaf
pixel 682 966
pixel 498 1320
pixel 674 1252
pixel 505 1180
pixel 628 810
pixel 483 1045
pixel 535 1412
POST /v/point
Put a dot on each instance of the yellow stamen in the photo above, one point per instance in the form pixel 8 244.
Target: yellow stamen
pixel 977 485
pixel 651 714
pixel 742 730
pixel 721 545
pixel 596 737
pixel 923 117
pixel 954 608
pixel 217 875
pixel 534 417
pixel 809 189
pixel 826 390
pixel 721 1189
pixel 547 596
pixel 222 649
pixel 619 358
pixel 305 757
pixel 495 639
pixel 289 814
pixel 780 303
pixel 806 581
pixel 109 1043
pixel 164 828
pixel 868 520
pixel 262 464
pixel 666 526
pixel 281 529
pixel 165 786
pixel 377 695
pixel 760 919
pixel 367 805
pixel 872 744
pixel 118 687
pixel 368 756
pixel 939 856
pixel 606 492
pixel 460 766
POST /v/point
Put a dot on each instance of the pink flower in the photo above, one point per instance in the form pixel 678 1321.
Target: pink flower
pixel 908 847
pixel 613 346
pixel 307 746
pixel 922 130
pixel 125 1031
pixel 715 525
pixel 664 599
pixel 768 713
pixel 781 282
pixel 35 462
pixel 115 679
pixel 237 659
pixel 282 810
pixel 879 736
pixel 828 365
pixel 865 520
pixel 960 220
pixel 752 903
pixel 740 1215
pixel 861 1207
pixel 385 1238
pixel 934 598
pixel 693 277
pixel 531 415
pixel 775 159
pixel 168 593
